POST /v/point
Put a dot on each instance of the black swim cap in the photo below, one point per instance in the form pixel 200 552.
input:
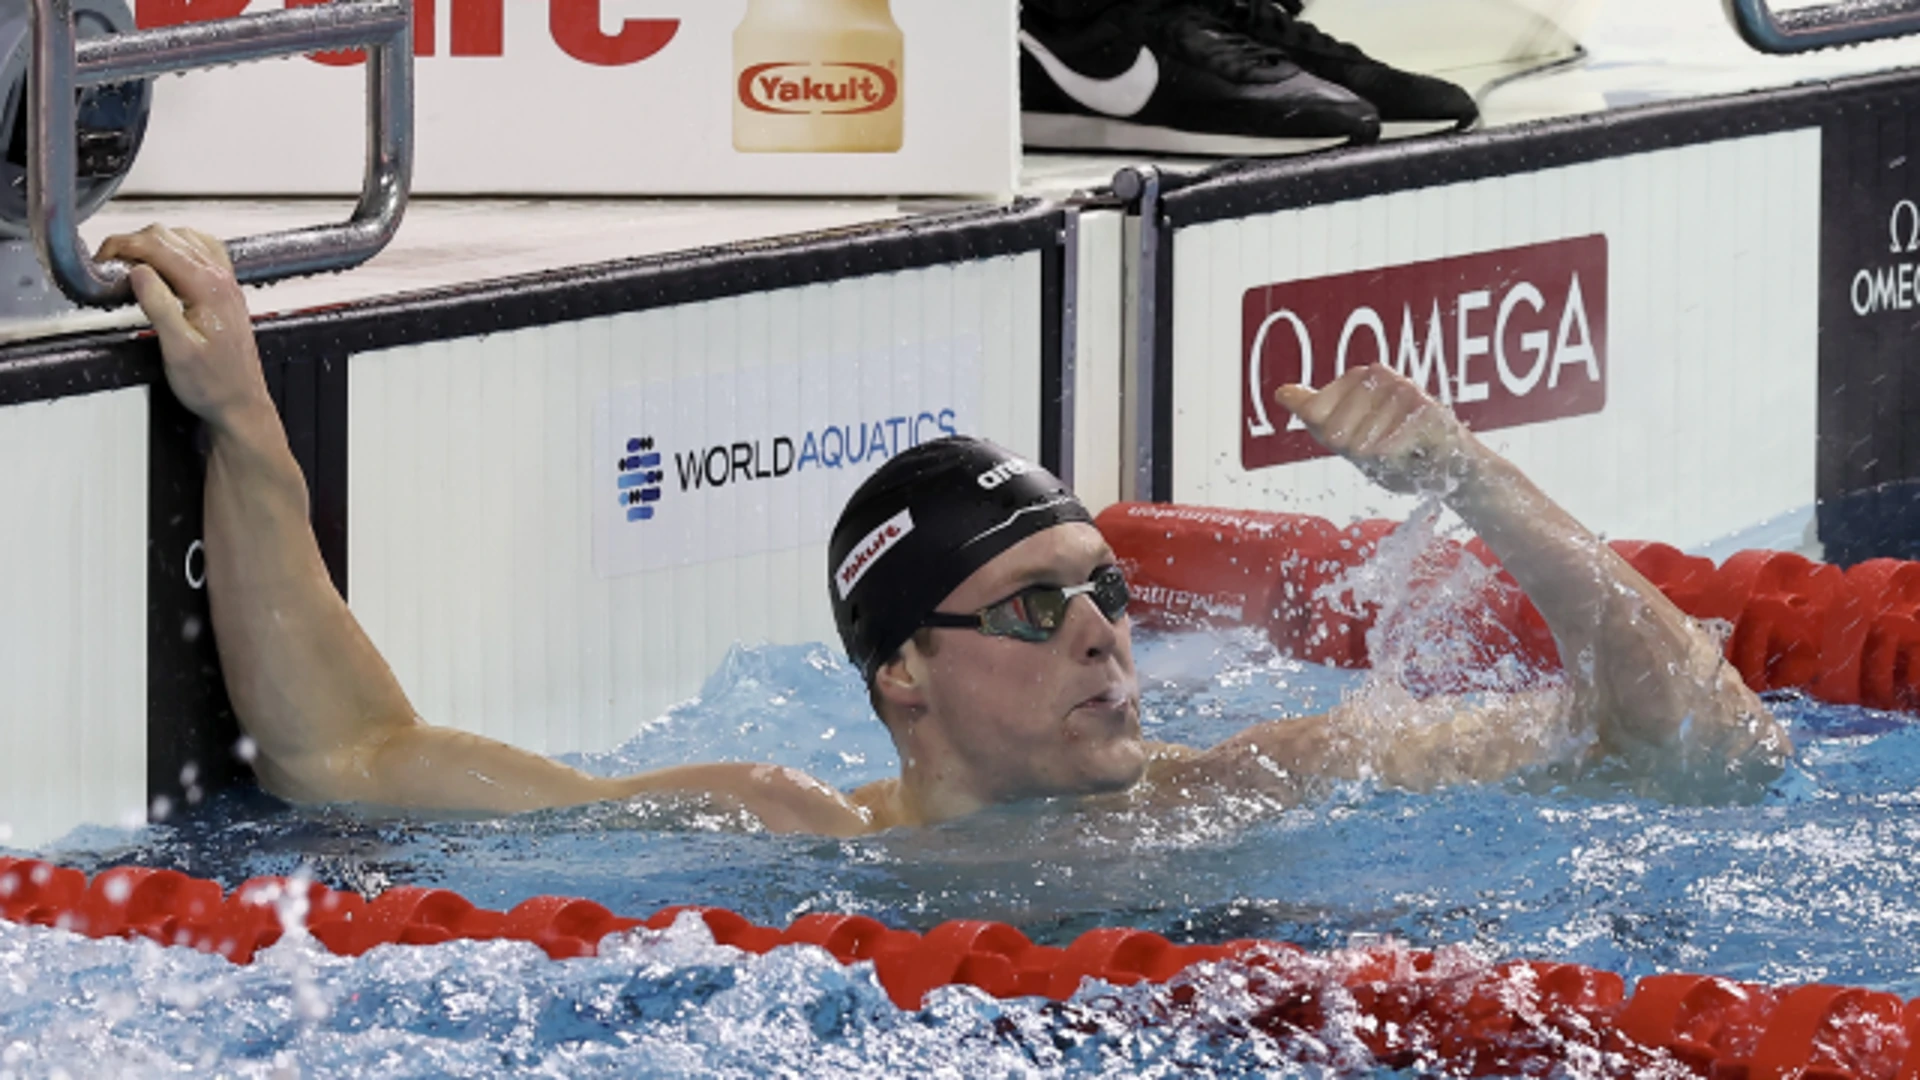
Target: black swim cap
pixel 920 525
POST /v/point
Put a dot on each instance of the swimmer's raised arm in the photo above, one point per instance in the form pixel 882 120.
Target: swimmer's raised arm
pixel 328 718
pixel 1649 680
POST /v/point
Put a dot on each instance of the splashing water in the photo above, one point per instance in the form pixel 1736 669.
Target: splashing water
pixel 1437 644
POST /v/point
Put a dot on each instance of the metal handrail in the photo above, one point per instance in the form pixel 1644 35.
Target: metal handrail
pixel 61 66
pixel 1847 22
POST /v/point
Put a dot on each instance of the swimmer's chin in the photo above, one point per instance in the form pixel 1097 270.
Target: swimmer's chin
pixel 1123 770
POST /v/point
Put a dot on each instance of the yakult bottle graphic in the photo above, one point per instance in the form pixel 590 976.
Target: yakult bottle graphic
pixel 818 76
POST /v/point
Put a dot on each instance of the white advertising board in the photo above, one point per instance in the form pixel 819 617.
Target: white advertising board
pixel 73 615
pixel 489 550
pixel 618 97
pixel 719 466
pixel 1639 334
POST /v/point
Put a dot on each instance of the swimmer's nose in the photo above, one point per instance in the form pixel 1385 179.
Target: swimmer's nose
pixel 1091 634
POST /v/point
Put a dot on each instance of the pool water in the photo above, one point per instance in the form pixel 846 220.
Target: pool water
pixel 1815 882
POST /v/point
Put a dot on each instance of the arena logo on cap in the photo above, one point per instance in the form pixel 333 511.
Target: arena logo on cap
pixel 1508 337
pixel 1004 472
pixel 869 550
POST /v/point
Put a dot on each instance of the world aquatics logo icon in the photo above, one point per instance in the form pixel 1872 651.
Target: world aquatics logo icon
pixel 640 476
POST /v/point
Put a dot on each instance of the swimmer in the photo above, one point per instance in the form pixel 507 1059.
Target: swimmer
pixel 983 608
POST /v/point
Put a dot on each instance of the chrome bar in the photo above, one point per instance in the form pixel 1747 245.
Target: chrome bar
pixel 383 27
pixel 145 53
pixel 1823 26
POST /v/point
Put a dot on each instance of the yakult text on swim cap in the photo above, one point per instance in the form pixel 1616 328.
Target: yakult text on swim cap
pixel 869 549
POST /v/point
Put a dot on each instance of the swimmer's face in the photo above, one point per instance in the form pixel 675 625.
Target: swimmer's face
pixel 1034 719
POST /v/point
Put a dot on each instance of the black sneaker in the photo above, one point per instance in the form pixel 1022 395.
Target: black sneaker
pixel 1173 76
pixel 1409 104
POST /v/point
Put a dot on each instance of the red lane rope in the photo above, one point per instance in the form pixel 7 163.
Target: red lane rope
pixel 1847 637
pixel 1406 1006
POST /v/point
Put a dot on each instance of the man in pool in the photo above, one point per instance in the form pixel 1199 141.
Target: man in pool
pixel 984 610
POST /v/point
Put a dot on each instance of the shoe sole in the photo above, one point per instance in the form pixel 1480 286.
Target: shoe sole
pixel 1414 129
pixel 1053 131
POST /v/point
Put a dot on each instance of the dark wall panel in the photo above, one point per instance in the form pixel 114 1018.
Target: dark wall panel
pixel 1869 449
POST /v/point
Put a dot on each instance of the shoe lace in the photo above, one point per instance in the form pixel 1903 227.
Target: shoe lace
pixel 1278 22
pixel 1225 30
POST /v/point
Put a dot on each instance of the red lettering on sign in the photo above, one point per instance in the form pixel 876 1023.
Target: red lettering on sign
pixel 148 14
pixel 576 29
pixel 422 43
pixel 1506 337
pixel 478 28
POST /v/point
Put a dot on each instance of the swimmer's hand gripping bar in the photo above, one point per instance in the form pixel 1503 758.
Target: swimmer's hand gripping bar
pixel 1822 26
pixel 61 66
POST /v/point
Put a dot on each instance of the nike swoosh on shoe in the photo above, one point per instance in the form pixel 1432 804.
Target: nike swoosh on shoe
pixel 1123 95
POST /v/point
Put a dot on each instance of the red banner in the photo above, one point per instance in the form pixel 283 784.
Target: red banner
pixel 1505 337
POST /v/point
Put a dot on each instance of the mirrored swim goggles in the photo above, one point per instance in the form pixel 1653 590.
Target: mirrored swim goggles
pixel 1037 612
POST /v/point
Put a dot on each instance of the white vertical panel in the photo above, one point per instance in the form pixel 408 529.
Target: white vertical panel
pixel 548 682
pixel 471 484
pixel 490 439
pixel 1712 333
pixel 1023 325
pixel 1255 255
pixel 1191 292
pixel 440 638
pixel 1096 368
pixel 605 356
pixel 774 333
pixel 73 614
pixel 1794 265
pixel 1659 406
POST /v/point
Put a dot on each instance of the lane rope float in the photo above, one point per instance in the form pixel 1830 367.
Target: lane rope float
pixel 1845 637
pixel 1407 1006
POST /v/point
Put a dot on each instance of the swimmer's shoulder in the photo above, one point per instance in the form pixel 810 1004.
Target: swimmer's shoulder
pixel 878 804
pixel 1169 761
pixel 784 800
pixel 1159 753
pixel 1271 757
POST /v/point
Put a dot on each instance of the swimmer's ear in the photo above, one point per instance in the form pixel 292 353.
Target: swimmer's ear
pixel 901 683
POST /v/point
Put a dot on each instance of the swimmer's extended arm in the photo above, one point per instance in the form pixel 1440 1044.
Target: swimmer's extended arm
pixel 1650 682
pixel 1293 759
pixel 329 721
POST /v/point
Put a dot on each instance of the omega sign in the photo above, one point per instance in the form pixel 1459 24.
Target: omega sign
pixel 1894 284
pixel 1506 337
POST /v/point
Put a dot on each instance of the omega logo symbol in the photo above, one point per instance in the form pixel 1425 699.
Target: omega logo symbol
pixel 1260 425
pixel 1905 212
pixel 196 566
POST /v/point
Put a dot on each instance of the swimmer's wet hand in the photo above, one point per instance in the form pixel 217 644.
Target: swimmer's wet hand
pixel 185 283
pixel 1378 419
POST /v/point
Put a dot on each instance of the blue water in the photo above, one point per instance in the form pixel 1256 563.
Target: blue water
pixel 1816 882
